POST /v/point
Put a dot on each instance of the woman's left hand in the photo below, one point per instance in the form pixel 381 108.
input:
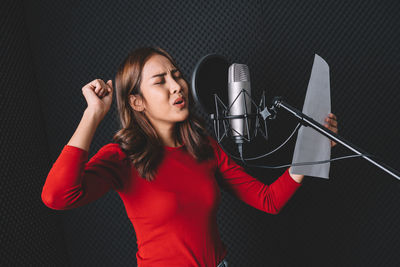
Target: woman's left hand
pixel 332 124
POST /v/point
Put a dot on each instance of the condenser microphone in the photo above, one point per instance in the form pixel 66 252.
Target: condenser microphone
pixel 239 101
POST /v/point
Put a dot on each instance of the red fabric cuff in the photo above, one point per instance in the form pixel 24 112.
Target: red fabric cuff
pixel 291 181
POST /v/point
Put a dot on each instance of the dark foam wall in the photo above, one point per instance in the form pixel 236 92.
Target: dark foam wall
pixel 30 233
pixel 350 220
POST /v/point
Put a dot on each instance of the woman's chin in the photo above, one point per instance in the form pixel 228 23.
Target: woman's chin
pixel 183 117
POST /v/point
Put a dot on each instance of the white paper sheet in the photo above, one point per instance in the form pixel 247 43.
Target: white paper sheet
pixel 311 145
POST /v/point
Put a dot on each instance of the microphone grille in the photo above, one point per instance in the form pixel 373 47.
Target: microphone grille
pixel 238 73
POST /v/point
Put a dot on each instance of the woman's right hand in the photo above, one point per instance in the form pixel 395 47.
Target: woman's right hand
pixel 98 95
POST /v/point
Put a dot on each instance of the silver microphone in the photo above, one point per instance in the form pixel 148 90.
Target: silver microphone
pixel 238 79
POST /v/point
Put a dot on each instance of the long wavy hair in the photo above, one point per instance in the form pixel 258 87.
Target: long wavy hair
pixel 137 137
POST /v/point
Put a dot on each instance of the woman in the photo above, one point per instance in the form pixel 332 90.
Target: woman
pixel 162 164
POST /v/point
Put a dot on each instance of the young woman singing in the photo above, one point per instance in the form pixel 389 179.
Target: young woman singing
pixel 162 163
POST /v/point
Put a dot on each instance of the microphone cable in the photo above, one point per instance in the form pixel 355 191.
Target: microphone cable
pixel 264 155
pixel 240 148
pixel 304 163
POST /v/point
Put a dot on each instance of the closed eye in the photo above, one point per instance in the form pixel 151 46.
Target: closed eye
pixel 176 74
pixel 161 82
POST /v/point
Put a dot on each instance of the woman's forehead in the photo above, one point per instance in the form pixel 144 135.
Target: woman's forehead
pixel 157 64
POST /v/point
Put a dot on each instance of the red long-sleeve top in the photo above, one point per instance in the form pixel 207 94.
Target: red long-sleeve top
pixel 174 216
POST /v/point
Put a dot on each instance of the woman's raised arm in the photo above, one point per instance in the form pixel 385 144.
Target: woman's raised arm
pixel 98 96
pixel 71 181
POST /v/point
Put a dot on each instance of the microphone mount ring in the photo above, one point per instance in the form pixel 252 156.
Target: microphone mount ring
pixel 225 117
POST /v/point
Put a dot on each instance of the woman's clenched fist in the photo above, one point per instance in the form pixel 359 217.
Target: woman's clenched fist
pixel 98 95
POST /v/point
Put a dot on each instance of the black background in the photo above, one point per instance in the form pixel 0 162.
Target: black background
pixel 50 49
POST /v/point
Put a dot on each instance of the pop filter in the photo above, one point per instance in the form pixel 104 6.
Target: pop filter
pixel 210 76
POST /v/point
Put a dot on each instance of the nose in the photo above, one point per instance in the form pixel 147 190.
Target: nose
pixel 175 87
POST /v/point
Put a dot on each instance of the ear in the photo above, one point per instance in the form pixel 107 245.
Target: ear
pixel 136 102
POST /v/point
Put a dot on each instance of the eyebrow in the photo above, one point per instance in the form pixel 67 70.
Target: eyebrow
pixel 164 73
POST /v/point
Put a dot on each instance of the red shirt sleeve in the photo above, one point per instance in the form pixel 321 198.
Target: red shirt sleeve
pixel 72 182
pixel 269 198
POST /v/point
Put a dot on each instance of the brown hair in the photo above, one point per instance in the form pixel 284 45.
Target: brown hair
pixel 137 137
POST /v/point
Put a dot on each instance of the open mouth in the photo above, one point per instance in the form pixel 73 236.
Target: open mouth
pixel 179 103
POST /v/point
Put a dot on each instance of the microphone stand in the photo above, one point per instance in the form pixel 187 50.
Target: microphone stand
pixel 266 113
pixel 309 122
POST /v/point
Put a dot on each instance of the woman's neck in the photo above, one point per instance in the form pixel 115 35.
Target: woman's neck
pixel 167 135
